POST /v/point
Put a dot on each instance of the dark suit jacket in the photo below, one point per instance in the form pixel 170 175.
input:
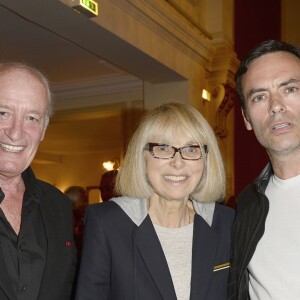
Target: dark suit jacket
pixel 123 261
pixel 56 211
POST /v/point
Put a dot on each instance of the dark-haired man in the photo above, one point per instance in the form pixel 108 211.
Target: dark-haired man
pixel 266 242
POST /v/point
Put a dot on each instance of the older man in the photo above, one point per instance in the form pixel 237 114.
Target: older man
pixel 37 250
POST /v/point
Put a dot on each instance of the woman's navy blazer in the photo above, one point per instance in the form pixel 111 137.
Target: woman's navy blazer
pixel 122 257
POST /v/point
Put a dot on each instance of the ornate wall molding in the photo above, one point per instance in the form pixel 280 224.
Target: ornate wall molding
pixel 223 66
pixel 225 95
pixel 167 22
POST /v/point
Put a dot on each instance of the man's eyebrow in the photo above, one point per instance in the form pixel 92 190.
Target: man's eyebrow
pixel 284 83
pixel 287 82
pixel 35 112
pixel 254 91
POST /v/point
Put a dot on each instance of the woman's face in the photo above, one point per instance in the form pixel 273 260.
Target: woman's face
pixel 175 178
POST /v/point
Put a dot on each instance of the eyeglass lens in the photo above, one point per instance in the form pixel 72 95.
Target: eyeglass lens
pixel 188 152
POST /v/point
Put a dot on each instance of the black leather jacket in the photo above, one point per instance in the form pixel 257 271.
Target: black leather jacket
pixel 249 227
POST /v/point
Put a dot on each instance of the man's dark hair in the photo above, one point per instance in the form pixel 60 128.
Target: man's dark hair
pixel 265 47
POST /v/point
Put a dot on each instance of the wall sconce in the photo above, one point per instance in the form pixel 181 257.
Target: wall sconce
pixel 111 165
pixel 108 165
pixel 206 95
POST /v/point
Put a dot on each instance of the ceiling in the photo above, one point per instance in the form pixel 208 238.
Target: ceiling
pixel 61 42
pixel 62 61
pixel 69 46
pixel 22 38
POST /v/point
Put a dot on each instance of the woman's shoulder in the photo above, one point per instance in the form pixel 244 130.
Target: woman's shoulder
pixel 224 212
pixel 135 209
pixel 96 210
pixel 225 208
pixel 213 211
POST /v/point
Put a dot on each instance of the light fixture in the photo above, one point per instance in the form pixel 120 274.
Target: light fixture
pixel 108 165
pixel 206 95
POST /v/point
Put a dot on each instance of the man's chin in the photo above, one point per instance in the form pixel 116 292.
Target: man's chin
pixel 11 170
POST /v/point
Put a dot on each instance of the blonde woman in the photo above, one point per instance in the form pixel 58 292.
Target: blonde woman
pixel 166 237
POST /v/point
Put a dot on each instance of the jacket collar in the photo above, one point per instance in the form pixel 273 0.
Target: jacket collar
pixel 261 182
pixel 137 210
pixel 31 184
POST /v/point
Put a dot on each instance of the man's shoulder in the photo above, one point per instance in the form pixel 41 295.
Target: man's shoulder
pixel 38 186
pixel 52 195
pixel 49 188
pixel 247 197
pixel 250 194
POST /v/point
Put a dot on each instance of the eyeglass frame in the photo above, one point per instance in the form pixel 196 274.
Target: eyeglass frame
pixel 149 147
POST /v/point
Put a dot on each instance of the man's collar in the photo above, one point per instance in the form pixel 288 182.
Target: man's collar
pixel 30 182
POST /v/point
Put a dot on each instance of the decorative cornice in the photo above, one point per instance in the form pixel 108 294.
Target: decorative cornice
pixel 223 66
pixel 172 26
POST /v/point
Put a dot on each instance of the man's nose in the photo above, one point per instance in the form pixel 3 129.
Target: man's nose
pixel 276 104
pixel 15 129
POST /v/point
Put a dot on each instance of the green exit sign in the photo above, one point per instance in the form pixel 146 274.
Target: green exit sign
pixel 87 7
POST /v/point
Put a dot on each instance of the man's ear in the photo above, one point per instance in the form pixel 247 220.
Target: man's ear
pixel 246 120
pixel 45 127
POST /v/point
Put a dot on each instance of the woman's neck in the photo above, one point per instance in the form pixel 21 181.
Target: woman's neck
pixel 170 213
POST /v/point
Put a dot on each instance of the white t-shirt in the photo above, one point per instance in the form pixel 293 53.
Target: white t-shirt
pixel 177 245
pixel 275 266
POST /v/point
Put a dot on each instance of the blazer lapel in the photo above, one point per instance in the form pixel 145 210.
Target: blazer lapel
pixel 48 216
pixel 52 231
pixel 205 243
pixel 148 246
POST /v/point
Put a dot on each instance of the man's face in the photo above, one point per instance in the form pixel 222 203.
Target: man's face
pixel 23 120
pixel 271 87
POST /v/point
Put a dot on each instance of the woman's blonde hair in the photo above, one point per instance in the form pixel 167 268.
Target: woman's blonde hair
pixel 161 125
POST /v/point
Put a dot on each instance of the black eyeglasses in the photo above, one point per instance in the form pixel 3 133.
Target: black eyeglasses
pixel 163 151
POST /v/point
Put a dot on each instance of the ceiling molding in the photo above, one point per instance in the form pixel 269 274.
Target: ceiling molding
pixel 171 26
pixel 112 84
